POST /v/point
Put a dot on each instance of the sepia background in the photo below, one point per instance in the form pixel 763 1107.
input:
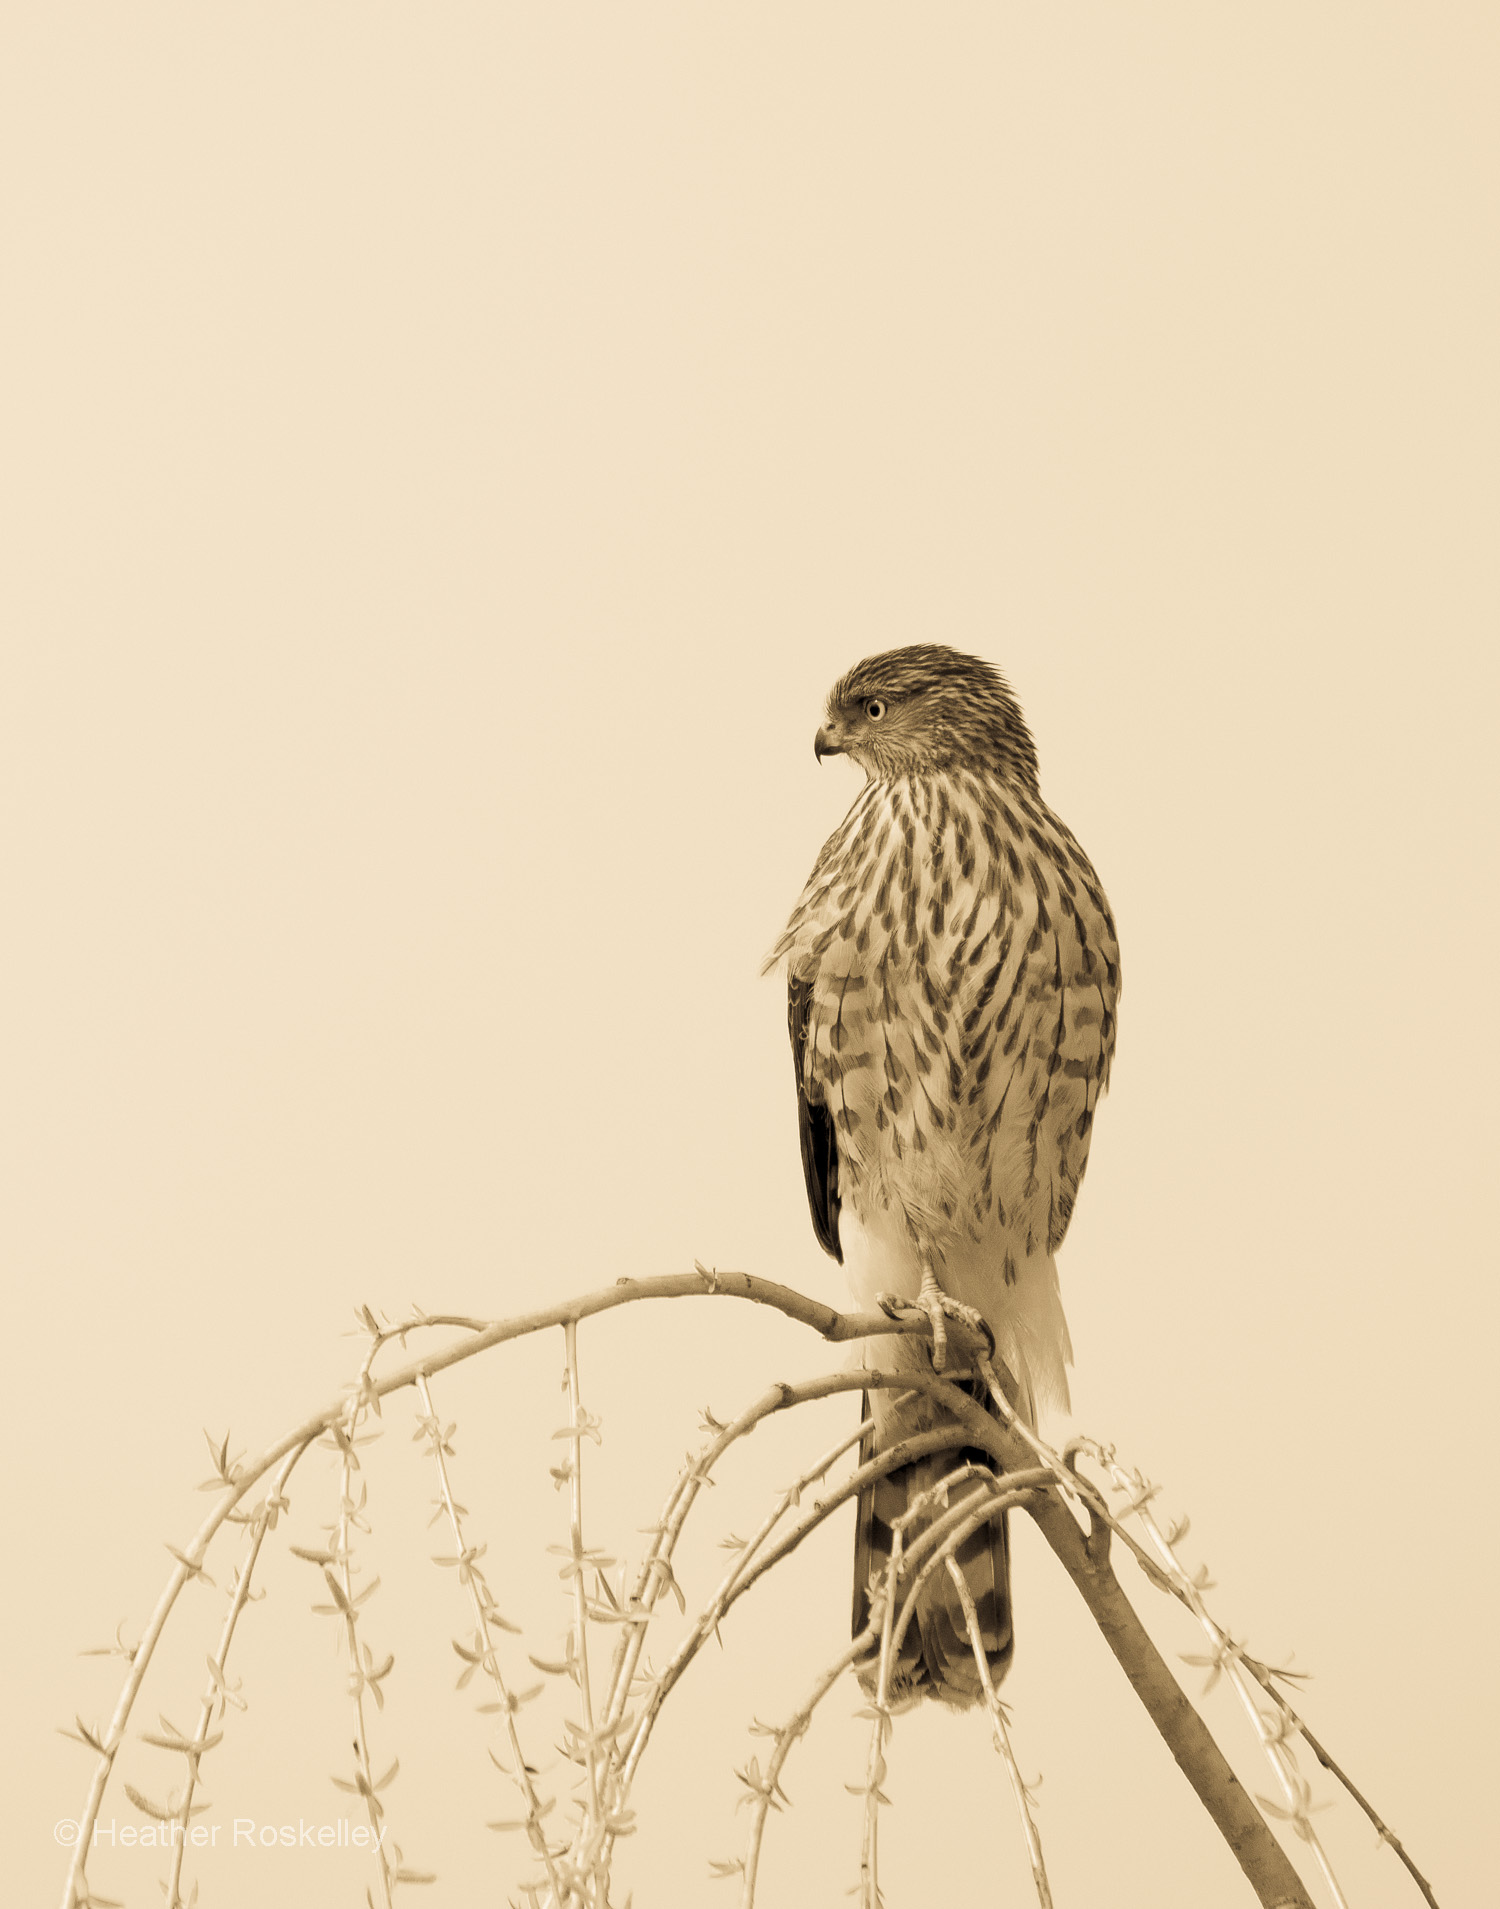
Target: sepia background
pixel 448 452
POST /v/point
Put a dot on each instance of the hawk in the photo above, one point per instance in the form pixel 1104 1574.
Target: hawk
pixel 952 974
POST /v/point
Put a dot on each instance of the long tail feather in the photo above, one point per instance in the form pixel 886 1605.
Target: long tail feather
pixel 935 1658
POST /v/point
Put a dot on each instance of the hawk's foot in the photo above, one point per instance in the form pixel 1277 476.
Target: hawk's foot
pixel 938 1308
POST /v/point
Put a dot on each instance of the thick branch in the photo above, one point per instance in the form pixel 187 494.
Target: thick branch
pixel 1266 1864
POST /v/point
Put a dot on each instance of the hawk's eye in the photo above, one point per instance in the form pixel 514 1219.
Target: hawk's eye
pixel 875 709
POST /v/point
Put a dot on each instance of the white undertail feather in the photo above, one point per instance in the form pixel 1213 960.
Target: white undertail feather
pixel 1027 1319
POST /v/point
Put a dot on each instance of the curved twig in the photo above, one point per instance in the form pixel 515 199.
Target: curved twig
pixel 1002 1737
pixel 795 1727
pixel 263 1520
pixel 1050 1482
pixel 1263 1675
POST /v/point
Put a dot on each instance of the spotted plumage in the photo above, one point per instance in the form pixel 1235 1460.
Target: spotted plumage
pixel 952 979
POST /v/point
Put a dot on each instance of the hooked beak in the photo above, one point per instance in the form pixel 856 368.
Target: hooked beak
pixel 824 744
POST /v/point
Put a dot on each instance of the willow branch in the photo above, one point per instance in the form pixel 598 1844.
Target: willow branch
pixel 736 1585
pixel 1266 1865
pixel 1002 1737
pixel 1084 1555
pixel 795 1727
pixel 189 1565
pixel 263 1521
pixel 580 1602
pixel 482 1605
pixel 1263 1675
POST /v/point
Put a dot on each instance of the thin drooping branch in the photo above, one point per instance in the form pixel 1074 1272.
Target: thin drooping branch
pixel 1002 1737
pixel 941 1539
pixel 189 1566
pixel 1050 1487
pixel 919 1445
pixel 578 1428
pixel 216 1694
pixel 1228 1660
pixel 1263 1675
pixel 485 1619
pixel 830 1324
pixel 796 1726
pixel 346 1608
pixel 1229 1655
pixel 656 1576
pixel 735 1586
pixel 879 1714
pixel 1266 1865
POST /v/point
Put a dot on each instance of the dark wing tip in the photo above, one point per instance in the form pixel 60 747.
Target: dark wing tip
pixel 820 1153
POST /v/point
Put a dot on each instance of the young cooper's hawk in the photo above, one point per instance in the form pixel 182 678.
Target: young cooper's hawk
pixel 952 978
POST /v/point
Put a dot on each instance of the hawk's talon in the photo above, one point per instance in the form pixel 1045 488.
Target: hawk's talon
pixel 937 1308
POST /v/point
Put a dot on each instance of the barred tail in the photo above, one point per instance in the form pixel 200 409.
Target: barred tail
pixel 935 1657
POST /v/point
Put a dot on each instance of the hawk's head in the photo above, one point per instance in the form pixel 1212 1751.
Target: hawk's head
pixel 925 708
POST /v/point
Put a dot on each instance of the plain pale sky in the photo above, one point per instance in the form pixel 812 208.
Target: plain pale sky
pixel 448 452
